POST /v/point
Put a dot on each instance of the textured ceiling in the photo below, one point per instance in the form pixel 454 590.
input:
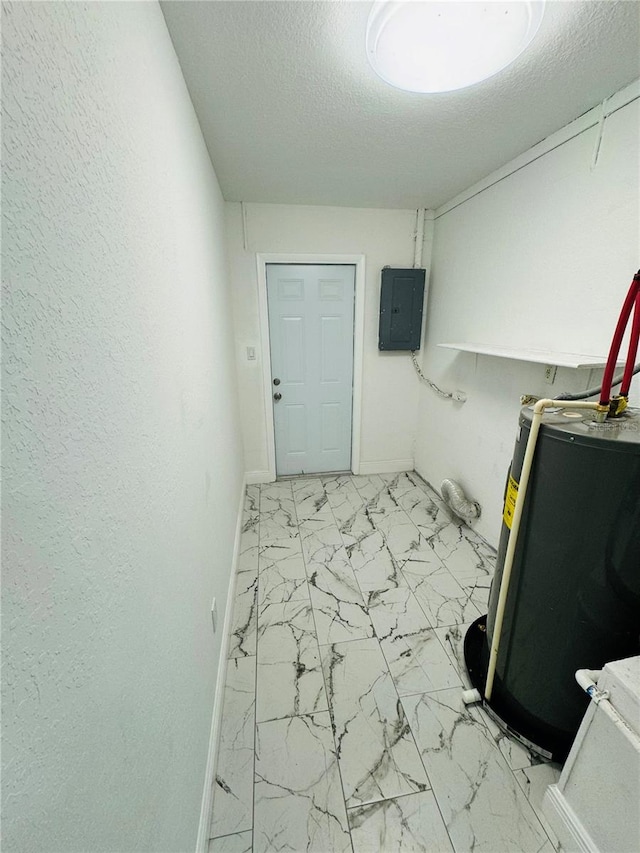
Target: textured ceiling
pixel 292 112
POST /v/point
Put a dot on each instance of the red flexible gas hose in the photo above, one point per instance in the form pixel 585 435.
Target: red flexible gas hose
pixel 625 313
pixel 633 349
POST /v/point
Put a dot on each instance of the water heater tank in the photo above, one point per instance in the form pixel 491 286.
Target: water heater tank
pixel 574 596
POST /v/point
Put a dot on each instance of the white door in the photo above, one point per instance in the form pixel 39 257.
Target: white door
pixel 311 310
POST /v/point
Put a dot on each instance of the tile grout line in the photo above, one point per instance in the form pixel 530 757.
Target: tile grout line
pixel 435 797
pixel 256 671
pixel 389 668
pixel 255 700
pixel 483 719
pixel 341 642
pixel 482 714
pixel 442 563
pixel 535 811
pixel 235 661
pixel 413 737
pixel 453 658
pixel 390 799
pixel 255 688
pixel 431 788
pixel 324 680
pixel 229 834
pixel 399 699
pixel 400 567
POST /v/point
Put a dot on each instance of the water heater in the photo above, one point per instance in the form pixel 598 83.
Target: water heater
pixel 574 595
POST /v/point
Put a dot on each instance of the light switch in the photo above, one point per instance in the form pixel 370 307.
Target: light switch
pixel 251 353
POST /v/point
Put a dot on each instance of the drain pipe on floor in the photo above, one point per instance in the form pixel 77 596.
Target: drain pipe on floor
pixel 455 498
pixel 470 696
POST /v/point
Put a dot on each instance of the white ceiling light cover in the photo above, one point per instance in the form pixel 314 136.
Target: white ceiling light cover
pixel 442 46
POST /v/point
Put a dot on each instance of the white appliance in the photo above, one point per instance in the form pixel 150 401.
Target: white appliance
pixel 595 806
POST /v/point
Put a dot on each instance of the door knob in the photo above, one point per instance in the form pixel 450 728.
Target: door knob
pixel 276 381
pixel 277 396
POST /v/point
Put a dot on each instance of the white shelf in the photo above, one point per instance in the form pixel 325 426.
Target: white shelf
pixel 559 359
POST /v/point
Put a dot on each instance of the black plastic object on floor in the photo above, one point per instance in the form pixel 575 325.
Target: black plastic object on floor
pixel 574 596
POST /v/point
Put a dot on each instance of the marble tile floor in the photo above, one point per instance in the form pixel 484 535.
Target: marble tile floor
pixel 343 726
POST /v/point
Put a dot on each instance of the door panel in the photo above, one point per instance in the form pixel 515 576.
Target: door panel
pixel 330 434
pixel 291 290
pixel 311 311
pixel 331 335
pixel 295 428
pixel 293 354
pixel 329 289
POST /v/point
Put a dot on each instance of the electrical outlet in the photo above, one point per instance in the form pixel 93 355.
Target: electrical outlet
pixel 550 374
pixel 214 615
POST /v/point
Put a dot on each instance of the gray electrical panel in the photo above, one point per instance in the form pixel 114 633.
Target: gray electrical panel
pixel 401 297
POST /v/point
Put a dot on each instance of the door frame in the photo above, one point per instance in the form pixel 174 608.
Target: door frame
pixel 358 261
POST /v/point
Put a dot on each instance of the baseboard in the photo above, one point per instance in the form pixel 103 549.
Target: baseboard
pixel 567 826
pixel 386 466
pixel 202 842
pixel 253 477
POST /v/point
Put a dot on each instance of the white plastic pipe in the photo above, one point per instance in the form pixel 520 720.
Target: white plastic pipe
pixel 417 253
pixel 527 462
pixel 587 679
pixel 470 697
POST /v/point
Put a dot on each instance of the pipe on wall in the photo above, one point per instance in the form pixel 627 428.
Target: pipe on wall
pixel 419 238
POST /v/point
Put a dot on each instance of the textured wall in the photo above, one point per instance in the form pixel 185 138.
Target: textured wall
pixel 122 459
pixel 543 259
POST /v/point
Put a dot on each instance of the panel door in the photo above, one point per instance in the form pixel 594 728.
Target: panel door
pixel 311 311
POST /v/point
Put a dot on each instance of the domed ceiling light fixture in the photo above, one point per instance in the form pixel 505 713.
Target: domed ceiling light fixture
pixel 430 47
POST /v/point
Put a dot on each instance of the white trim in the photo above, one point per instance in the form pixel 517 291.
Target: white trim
pixel 358 365
pixel 265 354
pixel 262 259
pixel 253 477
pixel 570 830
pixel 386 466
pixel 202 841
pixel 584 122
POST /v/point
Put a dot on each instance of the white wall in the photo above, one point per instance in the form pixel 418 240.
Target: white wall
pixel 544 259
pixel 390 385
pixel 122 459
